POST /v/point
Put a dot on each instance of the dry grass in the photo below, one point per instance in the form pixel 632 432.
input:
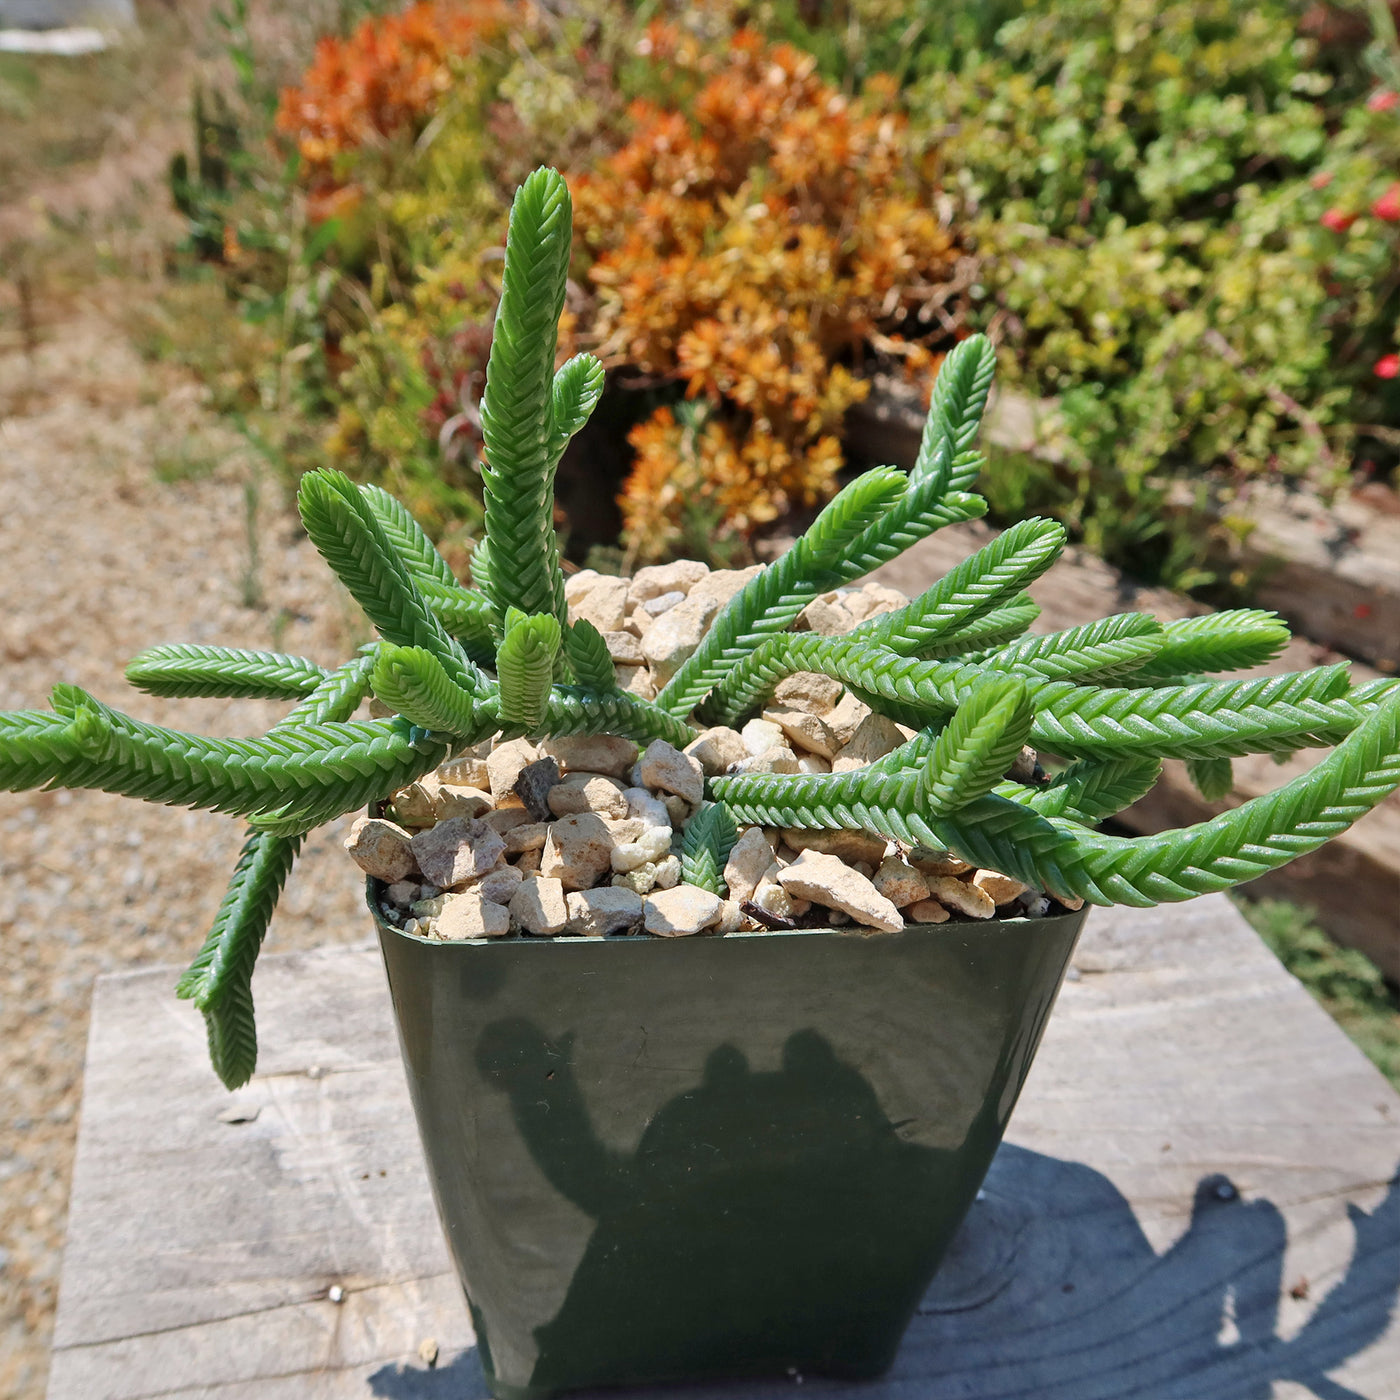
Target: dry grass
pixel 124 527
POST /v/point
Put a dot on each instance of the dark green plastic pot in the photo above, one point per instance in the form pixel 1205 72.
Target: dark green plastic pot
pixel 675 1159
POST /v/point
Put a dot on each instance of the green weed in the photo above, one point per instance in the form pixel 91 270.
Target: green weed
pixel 1346 984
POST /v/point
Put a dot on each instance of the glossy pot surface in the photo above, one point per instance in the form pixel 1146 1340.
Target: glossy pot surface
pixel 665 1159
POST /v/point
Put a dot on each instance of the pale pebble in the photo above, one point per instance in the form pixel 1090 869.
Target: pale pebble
pixel 804 732
pixel 641 880
pixel 716 748
pixel 958 894
pixel 812 691
pixel 826 880
pixel 458 850
pixel 624 648
pixel 874 737
pixel 538 906
pixel 577 851
pixel 597 753
pixel 588 792
pixel 662 603
pixel 503 765
pixel 656 580
pixel 848 846
pixel 682 910
pixel 609 909
pixel 672 639
pixel 926 911
pixel 846 718
pixel 597 598
pixel 776 760
pixel 382 849
pixel 748 861
pixel 500 885
pixel 643 804
pixel 663 767
pixel 900 882
pixel 760 735
pixel 471 915
pixel 1002 888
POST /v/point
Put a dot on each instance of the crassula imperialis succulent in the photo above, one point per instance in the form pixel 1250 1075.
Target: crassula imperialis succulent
pixel 458 665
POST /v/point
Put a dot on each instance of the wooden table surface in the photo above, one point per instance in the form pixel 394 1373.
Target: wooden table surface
pixel 1198 1200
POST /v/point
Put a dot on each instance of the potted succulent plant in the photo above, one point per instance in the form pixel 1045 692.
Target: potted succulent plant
pixel 663 1156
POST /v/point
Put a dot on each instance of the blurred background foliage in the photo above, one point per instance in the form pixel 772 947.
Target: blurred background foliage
pixel 1178 219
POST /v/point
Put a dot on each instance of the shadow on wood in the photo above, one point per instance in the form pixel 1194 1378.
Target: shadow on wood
pixel 1200 1319
pixel 288 1250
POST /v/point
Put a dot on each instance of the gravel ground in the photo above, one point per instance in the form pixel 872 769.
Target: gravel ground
pixel 102 559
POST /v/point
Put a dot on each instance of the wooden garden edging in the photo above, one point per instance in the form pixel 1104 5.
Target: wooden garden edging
pixel 1332 571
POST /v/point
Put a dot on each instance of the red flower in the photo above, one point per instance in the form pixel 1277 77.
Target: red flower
pixel 1321 180
pixel 1387 367
pixel 1382 100
pixel 1337 220
pixel 1387 207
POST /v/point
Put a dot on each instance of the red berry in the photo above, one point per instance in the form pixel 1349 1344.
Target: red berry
pixel 1338 220
pixel 1387 207
pixel 1382 100
pixel 1387 367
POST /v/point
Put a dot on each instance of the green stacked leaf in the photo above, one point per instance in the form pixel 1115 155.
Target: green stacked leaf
pixel 1094 651
pixel 955 411
pixel 705 845
pixel 525 668
pixel 978 586
pixel 412 681
pixel 1213 777
pixel 349 536
pixel 227 672
pixel 771 601
pixel 1223 641
pixel 978 745
pixel 219 981
pixel 522 436
pixel 587 653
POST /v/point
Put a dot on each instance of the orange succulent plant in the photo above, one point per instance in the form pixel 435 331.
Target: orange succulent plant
pixel 754 253
pixel 385 78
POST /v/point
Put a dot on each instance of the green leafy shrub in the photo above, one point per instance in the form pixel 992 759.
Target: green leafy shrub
pixel 1142 184
pixel 456 666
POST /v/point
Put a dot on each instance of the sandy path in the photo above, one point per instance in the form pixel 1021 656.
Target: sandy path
pixel 101 559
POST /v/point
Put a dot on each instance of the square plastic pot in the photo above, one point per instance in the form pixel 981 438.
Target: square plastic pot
pixel 682 1159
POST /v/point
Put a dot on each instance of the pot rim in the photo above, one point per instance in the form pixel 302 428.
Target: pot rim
pixel 847 931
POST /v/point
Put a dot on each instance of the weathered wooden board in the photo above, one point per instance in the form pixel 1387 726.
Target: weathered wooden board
pixel 202 1251
pixel 1333 570
pixel 1192 1205
pixel 1353 881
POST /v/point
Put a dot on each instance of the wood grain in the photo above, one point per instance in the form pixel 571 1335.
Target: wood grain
pixel 1197 1139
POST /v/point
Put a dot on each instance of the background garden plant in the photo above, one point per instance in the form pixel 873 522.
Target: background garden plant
pixel 1178 213
pixel 459 665
pixel 753 249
